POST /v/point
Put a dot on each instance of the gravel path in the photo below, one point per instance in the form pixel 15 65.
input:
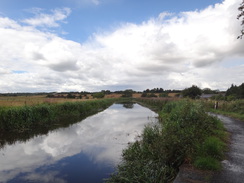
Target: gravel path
pixel 233 166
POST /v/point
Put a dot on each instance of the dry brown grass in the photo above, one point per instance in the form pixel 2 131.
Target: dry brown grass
pixel 34 100
pixel 40 99
pixel 173 94
pixel 136 95
pixel 113 95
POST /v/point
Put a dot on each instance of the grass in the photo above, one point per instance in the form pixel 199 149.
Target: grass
pixel 207 163
pixel 233 109
pixel 22 118
pixel 230 114
pixel 30 100
pixel 209 154
pixel 155 104
pixel 176 140
pixel 11 101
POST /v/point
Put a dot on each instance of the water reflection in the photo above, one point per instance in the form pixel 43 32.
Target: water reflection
pixel 84 152
pixel 128 105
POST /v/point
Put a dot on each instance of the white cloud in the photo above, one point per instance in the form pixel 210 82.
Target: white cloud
pixel 169 52
pixel 49 20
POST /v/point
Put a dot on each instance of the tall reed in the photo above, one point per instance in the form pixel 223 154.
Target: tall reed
pixel 27 117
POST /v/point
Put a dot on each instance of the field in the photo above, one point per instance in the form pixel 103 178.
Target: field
pixel 42 99
pixel 30 100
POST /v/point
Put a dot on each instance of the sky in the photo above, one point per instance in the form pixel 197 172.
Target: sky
pixel 93 45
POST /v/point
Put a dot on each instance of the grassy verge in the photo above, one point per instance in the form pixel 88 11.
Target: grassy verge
pixel 233 109
pixel 185 135
pixel 24 118
pixel 154 104
pixel 230 114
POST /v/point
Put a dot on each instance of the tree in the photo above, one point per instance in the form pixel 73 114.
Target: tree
pixel 98 95
pixel 209 91
pixel 241 16
pixel 192 92
pixel 70 95
pixel 235 92
pixel 127 93
pixel 144 94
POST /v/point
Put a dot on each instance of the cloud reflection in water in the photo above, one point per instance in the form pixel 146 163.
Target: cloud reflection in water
pixel 100 138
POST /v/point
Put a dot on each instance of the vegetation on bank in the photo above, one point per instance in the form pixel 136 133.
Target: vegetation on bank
pixel 155 104
pixel 186 134
pixel 23 118
pixel 234 108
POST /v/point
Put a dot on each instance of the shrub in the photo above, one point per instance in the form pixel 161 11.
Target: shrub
pixel 163 95
pixel 177 139
pixel 99 95
pixel 144 94
pixel 127 93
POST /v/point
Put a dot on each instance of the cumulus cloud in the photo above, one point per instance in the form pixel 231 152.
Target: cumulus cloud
pixel 50 20
pixel 168 51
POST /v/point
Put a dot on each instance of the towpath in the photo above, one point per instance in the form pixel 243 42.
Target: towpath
pixel 233 165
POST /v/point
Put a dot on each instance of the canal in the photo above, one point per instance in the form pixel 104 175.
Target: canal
pixel 87 151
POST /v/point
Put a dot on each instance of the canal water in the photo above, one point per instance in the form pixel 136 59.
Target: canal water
pixel 87 151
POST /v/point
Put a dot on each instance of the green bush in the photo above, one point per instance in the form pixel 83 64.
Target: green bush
pixel 98 95
pixel 177 139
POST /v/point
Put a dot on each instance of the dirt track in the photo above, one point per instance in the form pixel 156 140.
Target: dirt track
pixel 233 166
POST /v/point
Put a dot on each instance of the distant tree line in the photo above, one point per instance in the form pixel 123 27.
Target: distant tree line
pixel 22 94
pixel 235 92
pixel 232 93
pixel 194 92
pixel 160 90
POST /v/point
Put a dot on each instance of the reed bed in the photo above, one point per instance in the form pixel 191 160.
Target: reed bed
pixel 22 118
